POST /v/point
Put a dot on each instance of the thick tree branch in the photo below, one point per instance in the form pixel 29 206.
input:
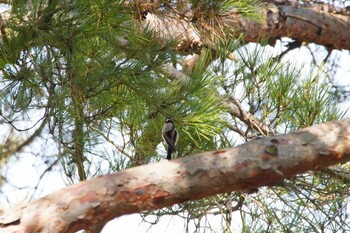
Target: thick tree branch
pixel 313 24
pixel 261 162
pixel 310 25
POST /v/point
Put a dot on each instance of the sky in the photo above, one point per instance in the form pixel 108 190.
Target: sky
pixel 23 175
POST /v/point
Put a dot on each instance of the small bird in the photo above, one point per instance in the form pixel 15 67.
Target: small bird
pixel 170 136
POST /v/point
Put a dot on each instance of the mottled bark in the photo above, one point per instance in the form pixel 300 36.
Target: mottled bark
pixel 267 161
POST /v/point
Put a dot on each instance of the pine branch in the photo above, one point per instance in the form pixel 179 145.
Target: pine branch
pixel 235 109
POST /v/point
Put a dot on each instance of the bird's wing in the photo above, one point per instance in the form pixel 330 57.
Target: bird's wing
pixel 168 139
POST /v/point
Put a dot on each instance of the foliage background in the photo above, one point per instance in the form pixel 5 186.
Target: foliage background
pixel 75 101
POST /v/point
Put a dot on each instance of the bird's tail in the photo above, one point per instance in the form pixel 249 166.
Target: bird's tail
pixel 170 151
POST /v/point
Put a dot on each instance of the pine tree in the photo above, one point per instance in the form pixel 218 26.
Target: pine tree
pixel 91 83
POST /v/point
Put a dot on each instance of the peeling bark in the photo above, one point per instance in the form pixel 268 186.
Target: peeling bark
pixel 262 162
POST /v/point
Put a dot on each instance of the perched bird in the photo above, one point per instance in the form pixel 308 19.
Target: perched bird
pixel 170 136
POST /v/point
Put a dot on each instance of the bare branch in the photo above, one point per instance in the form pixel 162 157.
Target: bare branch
pixel 235 109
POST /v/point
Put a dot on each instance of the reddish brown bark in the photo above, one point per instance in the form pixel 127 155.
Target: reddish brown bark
pixel 258 163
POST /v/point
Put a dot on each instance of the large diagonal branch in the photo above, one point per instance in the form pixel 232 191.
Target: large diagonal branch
pixel 262 162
